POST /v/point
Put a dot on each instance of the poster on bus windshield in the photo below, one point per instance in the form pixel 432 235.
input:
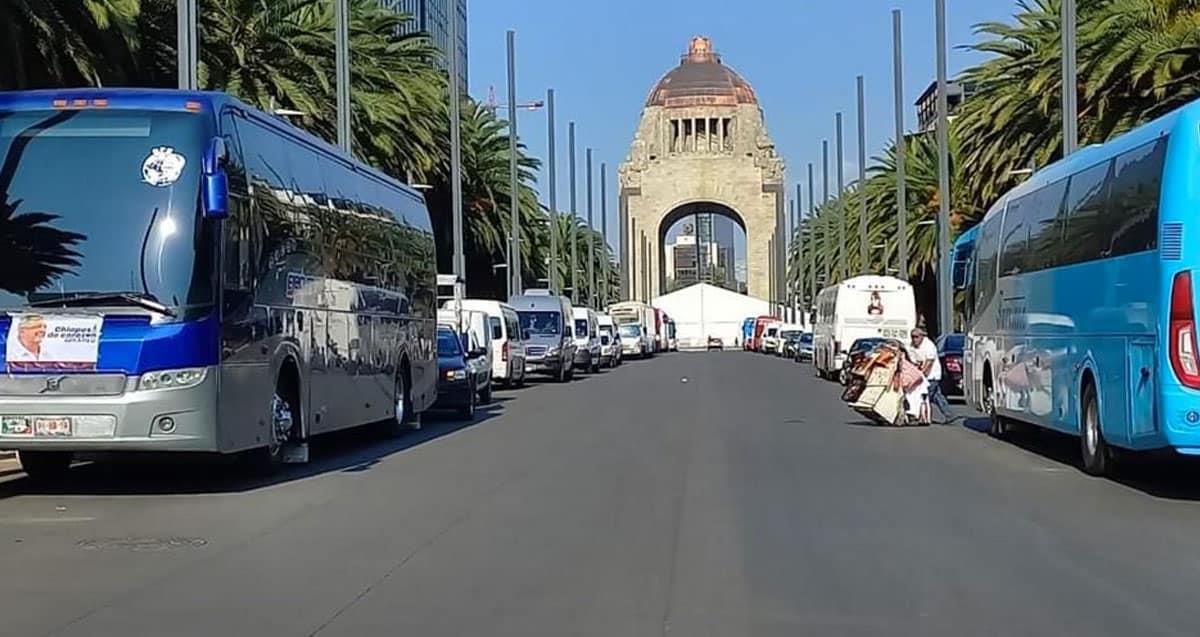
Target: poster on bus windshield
pixel 46 342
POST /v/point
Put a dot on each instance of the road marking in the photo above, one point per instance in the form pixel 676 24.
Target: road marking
pixel 59 520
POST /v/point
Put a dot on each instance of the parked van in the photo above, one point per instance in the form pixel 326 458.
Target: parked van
pixel 587 340
pixel 640 341
pixel 477 343
pixel 770 337
pixel 508 346
pixel 547 320
pixel 610 341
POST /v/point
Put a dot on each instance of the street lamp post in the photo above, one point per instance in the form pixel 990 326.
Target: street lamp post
pixel 862 178
pixel 812 241
pixel 514 194
pixel 341 18
pixel 187 44
pixel 841 198
pixel 604 299
pixel 1069 82
pixel 825 200
pixel 459 264
pixel 591 252
pixel 901 185
pixel 945 293
pixel 552 275
pixel 799 239
pixel 574 213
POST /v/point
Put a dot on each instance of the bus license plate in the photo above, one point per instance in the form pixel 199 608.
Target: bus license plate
pixel 52 427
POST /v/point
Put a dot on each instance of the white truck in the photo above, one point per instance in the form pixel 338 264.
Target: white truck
pixel 642 341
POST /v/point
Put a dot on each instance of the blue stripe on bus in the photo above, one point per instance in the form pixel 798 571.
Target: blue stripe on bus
pixel 131 345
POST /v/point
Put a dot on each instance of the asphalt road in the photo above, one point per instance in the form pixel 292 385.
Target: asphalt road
pixel 745 501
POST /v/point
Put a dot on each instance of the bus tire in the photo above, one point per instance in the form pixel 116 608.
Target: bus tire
pixel 281 425
pixel 998 426
pixel 403 419
pixel 1097 455
pixel 46 466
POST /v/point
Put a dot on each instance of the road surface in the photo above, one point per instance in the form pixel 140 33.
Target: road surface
pixel 745 501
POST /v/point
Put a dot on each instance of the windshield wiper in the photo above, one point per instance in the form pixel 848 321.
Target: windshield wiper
pixel 97 298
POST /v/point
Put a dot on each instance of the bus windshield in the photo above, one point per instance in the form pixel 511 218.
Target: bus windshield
pixel 99 202
pixel 631 329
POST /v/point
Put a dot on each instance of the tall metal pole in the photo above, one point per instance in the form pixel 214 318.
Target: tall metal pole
pixel 901 186
pixel 341 18
pixel 945 291
pixel 514 194
pixel 792 247
pixel 800 249
pixel 591 252
pixel 574 214
pixel 187 44
pixel 863 257
pixel 812 240
pixel 824 201
pixel 841 199
pixel 459 266
pixel 553 267
pixel 607 271
pixel 1069 82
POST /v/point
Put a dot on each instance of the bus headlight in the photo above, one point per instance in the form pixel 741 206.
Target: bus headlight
pixel 173 378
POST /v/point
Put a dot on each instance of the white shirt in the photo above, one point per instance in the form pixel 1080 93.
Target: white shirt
pixel 927 351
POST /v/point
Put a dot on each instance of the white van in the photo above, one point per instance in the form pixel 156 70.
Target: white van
pixel 475 326
pixel 610 341
pixel 587 339
pixel 508 345
pixel 635 323
pixel 861 307
pixel 770 337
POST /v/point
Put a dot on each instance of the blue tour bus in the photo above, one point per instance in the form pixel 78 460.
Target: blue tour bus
pixel 748 331
pixel 962 270
pixel 183 272
pixel 1084 298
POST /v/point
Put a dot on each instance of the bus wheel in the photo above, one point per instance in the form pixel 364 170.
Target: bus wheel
pixel 1097 456
pixel 998 426
pixel 46 466
pixel 284 407
pixel 403 420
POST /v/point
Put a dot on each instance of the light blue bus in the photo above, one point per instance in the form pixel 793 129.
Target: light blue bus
pixel 184 273
pixel 1084 301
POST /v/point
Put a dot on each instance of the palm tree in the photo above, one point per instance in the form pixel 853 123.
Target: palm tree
pixel 46 44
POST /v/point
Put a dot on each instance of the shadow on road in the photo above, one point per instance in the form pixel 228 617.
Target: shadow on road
pixel 352 451
pixel 1160 473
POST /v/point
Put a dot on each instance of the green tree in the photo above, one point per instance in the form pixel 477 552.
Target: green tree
pixel 45 44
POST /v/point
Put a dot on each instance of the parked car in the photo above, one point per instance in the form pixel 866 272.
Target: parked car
pixel 715 342
pixel 859 349
pixel 804 347
pixel 587 340
pixel 477 335
pixel 950 354
pixel 456 381
pixel 789 338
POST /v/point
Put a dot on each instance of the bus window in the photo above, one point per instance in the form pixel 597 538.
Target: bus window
pixel 1137 179
pixel 1087 195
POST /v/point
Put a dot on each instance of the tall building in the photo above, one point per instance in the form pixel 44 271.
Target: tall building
pixel 433 17
pixel 926 105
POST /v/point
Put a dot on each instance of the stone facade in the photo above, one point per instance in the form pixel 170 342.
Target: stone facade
pixel 701 144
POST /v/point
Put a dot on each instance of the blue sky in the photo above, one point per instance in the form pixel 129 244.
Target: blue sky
pixel 603 56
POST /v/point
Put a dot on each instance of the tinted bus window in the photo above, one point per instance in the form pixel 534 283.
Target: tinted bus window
pixel 1084 237
pixel 1044 221
pixel 1016 239
pixel 988 248
pixel 1133 201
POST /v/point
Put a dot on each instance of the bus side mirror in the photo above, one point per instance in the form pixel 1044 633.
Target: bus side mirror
pixel 214 181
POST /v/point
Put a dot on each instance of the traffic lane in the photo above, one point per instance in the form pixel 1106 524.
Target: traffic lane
pixel 344 531
pixel 100 539
pixel 941 530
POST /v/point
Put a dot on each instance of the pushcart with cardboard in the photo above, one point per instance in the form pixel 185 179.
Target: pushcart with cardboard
pixel 877 386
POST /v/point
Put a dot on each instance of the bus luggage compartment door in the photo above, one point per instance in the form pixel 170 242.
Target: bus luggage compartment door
pixel 1141 387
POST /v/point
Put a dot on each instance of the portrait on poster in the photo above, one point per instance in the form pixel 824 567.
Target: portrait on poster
pixel 46 342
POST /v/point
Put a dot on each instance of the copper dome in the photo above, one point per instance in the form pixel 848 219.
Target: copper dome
pixel 701 80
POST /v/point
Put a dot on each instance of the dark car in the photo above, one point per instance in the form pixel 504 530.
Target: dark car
pixel 456 382
pixel 859 350
pixel 950 354
pixel 715 342
pixel 791 341
pixel 804 347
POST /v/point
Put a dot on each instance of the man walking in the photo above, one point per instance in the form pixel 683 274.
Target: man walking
pixel 924 354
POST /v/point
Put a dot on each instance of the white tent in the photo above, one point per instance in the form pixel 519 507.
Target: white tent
pixel 704 310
